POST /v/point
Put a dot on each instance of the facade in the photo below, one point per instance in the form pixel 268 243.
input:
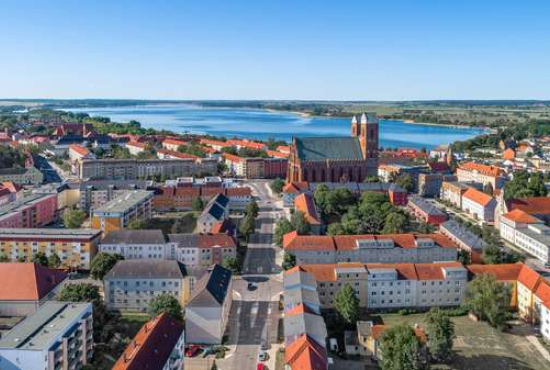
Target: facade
pixel 10 192
pixel 95 193
pixel 119 212
pixel 452 191
pixel 31 211
pixel 335 159
pixel 138 244
pixel 202 250
pixel 135 147
pixel 181 198
pixel 26 286
pixel 304 203
pixel 22 176
pixel 255 168
pixel 173 144
pixel 393 248
pixel 426 211
pixel 216 211
pixel 527 232
pixel 132 284
pixel 479 205
pixel 429 184
pixel 58 336
pixel 75 247
pixel 480 173
pixel 464 239
pixel 131 169
pixel 207 311
pixel 160 344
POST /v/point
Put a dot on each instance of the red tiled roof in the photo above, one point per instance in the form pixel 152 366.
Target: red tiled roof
pixel 174 142
pixel 239 192
pixel 247 144
pixel 152 345
pixel 306 354
pixel 214 143
pixel 27 281
pixel 276 154
pixel 209 240
pixel 439 166
pixel 481 168
pixel 283 148
pixel 378 330
pixel 519 216
pixel 295 187
pixel 299 309
pixel 509 154
pixel 173 153
pixel 543 291
pixel 136 144
pixel 477 196
pixel 232 157
pixel 79 149
pixel 503 272
pixel 532 205
pixel 11 186
pixel 305 204
pixel 529 278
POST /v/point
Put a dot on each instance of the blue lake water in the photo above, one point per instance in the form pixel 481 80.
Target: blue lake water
pixel 263 124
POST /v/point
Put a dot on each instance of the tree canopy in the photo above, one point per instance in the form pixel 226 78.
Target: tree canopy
pixel 346 305
pixel 401 349
pixel 441 331
pixel 489 299
pixel 525 185
pixel 80 292
pixel 197 205
pixel 299 223
pixel 103 263
pixel 289 261
pixel 165 303
pixel 277 185
pixel 283 227
pixel 74 218
pixel 40 259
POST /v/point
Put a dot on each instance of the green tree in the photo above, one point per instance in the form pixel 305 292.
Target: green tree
pixel 74 218
pixel 346 305
pixel 289 261
pixel 488 299
pixel 401 349
pixel 441 331
pixel 197 205
pixel 80 292
pixel 232 264
pixel 277 185
pixel 165 303
pixel 40 259
pixel 54 261
pixel 252 209
pixel 247 226
pixel 137 224
pixel 283 227
pixel 4 258
pixel 103 263
pixel 406 182
pixel 300 224
pixel 464 257
pixel 394 223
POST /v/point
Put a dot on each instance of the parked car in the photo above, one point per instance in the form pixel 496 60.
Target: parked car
pixel 251 286
pixel 260 366
pixel 193 351
pixel 262 356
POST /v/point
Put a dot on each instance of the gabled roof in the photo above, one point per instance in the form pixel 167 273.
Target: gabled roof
pixel 529 278
pixel 519 216
pixel 502 272
pixel 319 148
pixel 300 309
pixel 542 291
pixel 531 205
pixel 306 354
pixel 138 237
pixel 378 330
pixel 481 168
pixel 202 240
pixel 295 187
pixel 477 196
pixel 152 346
pixel 305 204
pixel 27 281
pixel 212 289
pixel 147 269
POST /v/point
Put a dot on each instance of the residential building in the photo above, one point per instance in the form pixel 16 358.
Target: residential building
pixel 95 193
pixel 527 232
pixel 334 159
pixel 135 147
pixel 159 345
pixel 119 212
pixel 207 311
pixel 132 284
pixel 10 192
pixel 452 191
pixel 305 353
pixel 181 198
pixel 304 203
pixel 202 250
pixel 58 336
pixel 481 173
pixel 479 205
pixel 464 239
pixel 26 286
pixel 75 247
pixel 429 184
pixel 301 320
pixel 173 144
pixel 138 244
pixel 391 248
pixel 217 210
pixel 78 152
pixel 22 176
pixel 426 211
pixel 255 168
pixel 31 211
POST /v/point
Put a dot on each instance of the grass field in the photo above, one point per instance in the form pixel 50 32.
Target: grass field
pixel 478 346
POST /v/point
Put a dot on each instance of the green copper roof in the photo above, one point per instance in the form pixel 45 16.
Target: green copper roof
pixel 319 148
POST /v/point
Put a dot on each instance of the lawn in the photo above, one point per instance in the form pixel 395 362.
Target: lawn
pixel 478 346
pixel 164 221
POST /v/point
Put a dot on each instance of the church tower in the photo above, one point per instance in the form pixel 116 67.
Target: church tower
pixel 366 128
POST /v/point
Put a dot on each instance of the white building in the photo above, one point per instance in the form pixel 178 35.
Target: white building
pixel 135 147
pixel 58 336
pixel 215 211
pixel 138 244
pixel 478 205
pixel 526 232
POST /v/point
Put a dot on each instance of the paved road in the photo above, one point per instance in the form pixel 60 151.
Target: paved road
pixel 255 313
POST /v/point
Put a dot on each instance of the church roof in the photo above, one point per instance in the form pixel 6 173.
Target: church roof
pixel 319 148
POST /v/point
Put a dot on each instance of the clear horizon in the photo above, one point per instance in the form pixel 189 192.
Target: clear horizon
pixel 288 50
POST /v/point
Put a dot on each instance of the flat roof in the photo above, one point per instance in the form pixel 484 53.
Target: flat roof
pixel 38 331
pixel 124 202
pixel 44 233
pixel 28 200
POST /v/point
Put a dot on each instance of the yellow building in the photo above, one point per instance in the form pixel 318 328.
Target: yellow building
pixel 75 247
pixel 119 212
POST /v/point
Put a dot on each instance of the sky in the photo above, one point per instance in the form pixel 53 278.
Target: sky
pixel 279 49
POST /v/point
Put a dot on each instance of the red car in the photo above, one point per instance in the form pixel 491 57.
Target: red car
pixel 260 366
pixel 192 351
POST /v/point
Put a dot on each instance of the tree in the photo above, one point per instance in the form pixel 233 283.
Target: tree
pixel 346 305
pixel 81 292
pixel 252 209
pixel 441 331
pixel 277 185
pixel 40 258
pixel 464 257
pixel 4 258
pixel 406 182
pixel 197 205
pixel 283 227
pixel 74 218
pixel 289 261
pixel 488 299
pixel 300 224
pixel 54 261
pixel 137 224
pixel 103 263
pixel 232 264
pixel 165 303
pixel 401 349
pixel 395 223
pixel 247 226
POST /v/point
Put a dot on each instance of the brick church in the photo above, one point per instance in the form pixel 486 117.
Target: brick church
pixel 337 159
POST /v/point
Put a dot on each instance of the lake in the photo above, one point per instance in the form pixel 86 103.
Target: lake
pixel 263 124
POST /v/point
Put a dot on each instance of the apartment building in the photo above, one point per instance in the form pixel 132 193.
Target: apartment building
pixel 132 284
pixel 202 250
pixel 135 147
pixel 478 205
pixel 75 247
pixel 426 211
pixel 452 191
pixel 464 239
pixel 119 212
pixel 216 211
pixel 160 343
pixel 31 211
pixel 256 168
pixel 181 198
pixel 173 144
pixel 383 286
pixel 10 192
pixel 58 336
pixel 95 193
pixel 138 244
pixel 131 169
pixel 527 232
pixel 391 248
pixel 27 286
pixel 22 176
pixel 304 203
pixel 481 173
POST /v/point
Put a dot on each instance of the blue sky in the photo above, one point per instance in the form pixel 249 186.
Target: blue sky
pixel 224 49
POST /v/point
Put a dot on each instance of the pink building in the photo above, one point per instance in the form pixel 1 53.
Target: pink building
pixel 32 211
